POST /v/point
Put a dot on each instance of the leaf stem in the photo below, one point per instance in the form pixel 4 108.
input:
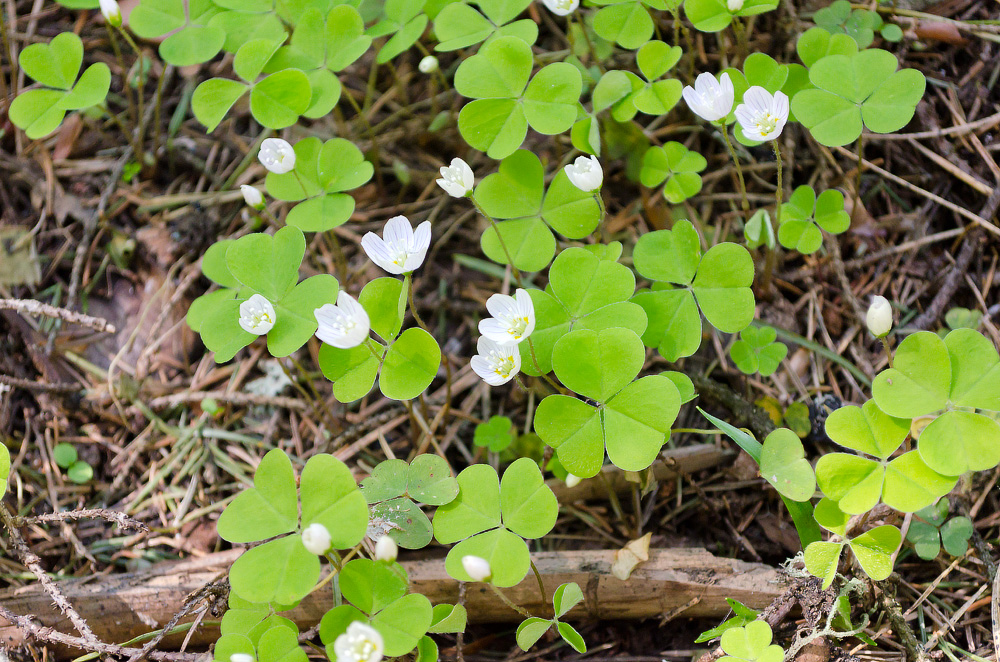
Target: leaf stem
pixel 745 202
pixel 507 601
pixel 887 348
pixel 503 244
pixel 772 252
pixel 408 284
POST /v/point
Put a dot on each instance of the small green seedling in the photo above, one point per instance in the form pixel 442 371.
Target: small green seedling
pixel 873 549
pixel 494 434
pixel 932 529
pixel 806 214
pixel 756 351
pixel 742 615
pixel 677 166
pixel 77 470
pixel 564 599
pixel 750 643
pixel 459 25
pixel 859 24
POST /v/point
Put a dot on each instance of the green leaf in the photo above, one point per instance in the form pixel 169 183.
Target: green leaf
pixel 90 90
pixel 959 441
pixel 281 571
pixel 427 650
pixel 410 365
pixel 867 429
pixel 281 645
pixel 352 371
pixel 655 58
pixel 4 469
pixel 955 535
pixel 598 364
pixel 975 370
pixel 565 598
pixel 722 287
pixel 571 637
pixel 252 56
pixel 678 166
pixel 268 509
pixel 335 622
pixel 448 619
pixel 331 497
pixel 822 559
pixel 384 300
pixel 637 422
pixel 926 540
pixel 387 480
pixel 55 64
pixel 279 100
pixel 494 434
pixel 371 586
pixel 575 430
pixel 221 331
pixel 403 521
pixel 919 381
pixel 213 98
pixel 295 322
pixel 783 465
pixel 429 480
pixel 674 325
pixel 752 642
pixel 500 70
pixel 528 505
pixel 37 112
pixel 669 255
pixel 816 43
pixel 551 98
pixel 267 264
pixel 403 623
pixel 628 24
pixel 531 630
pixel 475 509
pixel 874 550
pixel 192 45
pixel 855 483
pixel 506 552
pixel 911 485
pixel 757 351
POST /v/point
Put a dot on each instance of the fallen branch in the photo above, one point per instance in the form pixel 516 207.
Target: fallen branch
pixel 32 307
pixel 121 607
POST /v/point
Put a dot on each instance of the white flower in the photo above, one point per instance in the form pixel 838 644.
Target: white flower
pixel 513 318
pixel 762 116
pixel 386 549
pixel 561 7
pixel 257 315
pixel 361 643
pixel 400 250
pixel 241 657
pixel 345 325
pixel 476 567
pixel 585 173
pixel 879 317
pixel 496 364
pixel 572 481
pixel 457 179
pixel 277 156
pixel 710 99
pixel 428 65
pixel 734 5
pixel 112 12
pixel 252 196
pixel 316 539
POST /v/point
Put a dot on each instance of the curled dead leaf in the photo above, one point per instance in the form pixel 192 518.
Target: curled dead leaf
pixel 627 558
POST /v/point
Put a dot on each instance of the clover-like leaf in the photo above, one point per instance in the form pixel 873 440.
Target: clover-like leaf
pixel 852 91
pixel 783 465
pixel 268 509
pixel 804 214
pixel 816 43
pixel 874 550
pixel 598 364
pixel 494 434
pixel 459 26
pixel 678 166
pixel 751 643
pixel 714 15
pixel 192 39
pixel 531 630
pixel 757 351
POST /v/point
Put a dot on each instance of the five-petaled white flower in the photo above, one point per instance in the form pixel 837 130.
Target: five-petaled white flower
pixel 585 173
pixel 400 250
pixel 428 65
pixel 112 12
pixel 477 567
pixel 457 179
pixel 761 115
pixel 345 325
pixel 496 364
pixel 710 99
pixel 361 643
pixel 316 539
pixel 879 317
pixel 277 156
pixel 257 315
pixel 252 196
pixel 562 7
pixel 513 318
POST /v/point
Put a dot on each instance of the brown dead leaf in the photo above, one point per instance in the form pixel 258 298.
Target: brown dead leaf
pixel 940 31
pixel 630 556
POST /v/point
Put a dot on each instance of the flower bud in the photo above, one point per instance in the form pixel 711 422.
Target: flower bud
pixel 572 481
pixel 241 657
pixel 112 12
pixel 428 65
pixel 477 567
pixel 316 539
pixel 386 549
pixel 734 5
pixel 252 196
pixel 879 317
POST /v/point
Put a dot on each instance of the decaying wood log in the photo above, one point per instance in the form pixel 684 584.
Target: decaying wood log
pixel 120 607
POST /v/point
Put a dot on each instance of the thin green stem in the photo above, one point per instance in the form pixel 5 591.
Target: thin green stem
pixel 507 601
pixel 503 244
pixel 887 348
pixel 772 252
pixel 132 110
pixel 736 162
pixel 408 284
pixel 538 578
pixel 600 203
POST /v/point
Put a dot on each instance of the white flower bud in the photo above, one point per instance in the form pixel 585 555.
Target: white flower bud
pixel 585 173
pixel 457 179
pixel 112 12
pixel 428 65
pixel 572 481
pixel 252 196
pixel 477 567
pixel 316 539
pixel 879 317
pixel 734 6
pixel 241 657
pixel 386 549
pixel 277 155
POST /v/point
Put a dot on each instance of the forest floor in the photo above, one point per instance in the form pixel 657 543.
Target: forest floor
pixel 84 230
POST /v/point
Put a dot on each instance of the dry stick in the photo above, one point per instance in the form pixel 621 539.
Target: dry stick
pixel 167 401
pixel 32 307
pixel 33 563
pixel 42 633
pixel 218 589
pixel 121 519
pixel 27 384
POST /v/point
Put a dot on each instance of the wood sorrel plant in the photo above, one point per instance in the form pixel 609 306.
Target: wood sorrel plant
pixel 585 332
